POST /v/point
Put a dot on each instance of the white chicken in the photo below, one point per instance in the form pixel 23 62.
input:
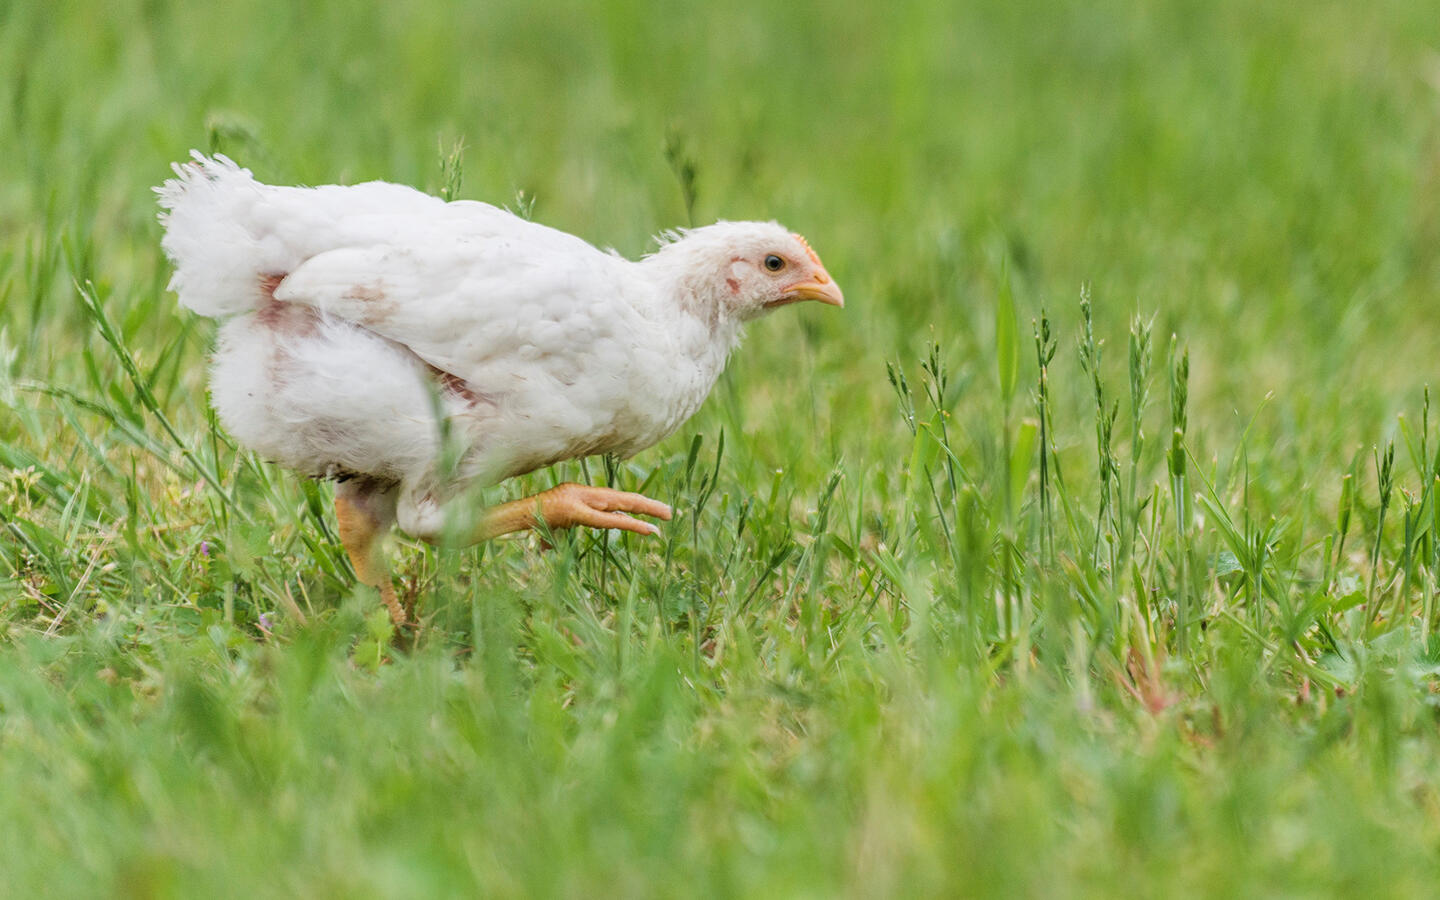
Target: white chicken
pixel 365 322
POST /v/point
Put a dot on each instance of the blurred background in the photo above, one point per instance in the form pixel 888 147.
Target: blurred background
pixel 1264 180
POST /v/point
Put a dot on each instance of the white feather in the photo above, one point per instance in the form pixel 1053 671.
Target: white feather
pixel 356 313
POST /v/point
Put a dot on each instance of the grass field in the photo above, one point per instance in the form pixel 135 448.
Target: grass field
pixel 1091 550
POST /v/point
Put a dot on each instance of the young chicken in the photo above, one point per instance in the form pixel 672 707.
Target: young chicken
pixel 367 326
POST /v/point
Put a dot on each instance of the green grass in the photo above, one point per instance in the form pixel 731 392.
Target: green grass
pixel 1160 621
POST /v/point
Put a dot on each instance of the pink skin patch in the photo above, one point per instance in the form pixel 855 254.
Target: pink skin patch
pixel 461 388
pixel 733 282
pixel 268 284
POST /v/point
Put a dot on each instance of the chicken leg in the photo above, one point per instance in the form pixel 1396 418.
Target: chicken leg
pixel 364 514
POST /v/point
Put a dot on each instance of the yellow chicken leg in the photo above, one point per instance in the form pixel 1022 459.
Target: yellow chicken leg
pixel 365 513
pixel 361 525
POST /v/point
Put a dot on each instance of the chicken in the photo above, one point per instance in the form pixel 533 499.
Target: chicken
pixel 371 330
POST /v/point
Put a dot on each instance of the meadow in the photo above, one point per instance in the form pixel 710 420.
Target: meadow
pixel 1091 550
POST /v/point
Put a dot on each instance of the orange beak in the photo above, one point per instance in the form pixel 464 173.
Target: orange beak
pixel 822 287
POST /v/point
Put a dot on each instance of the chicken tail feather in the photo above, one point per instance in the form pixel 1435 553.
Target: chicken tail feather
pixel 221 254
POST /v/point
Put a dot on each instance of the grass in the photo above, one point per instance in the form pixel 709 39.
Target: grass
pixel 1092 549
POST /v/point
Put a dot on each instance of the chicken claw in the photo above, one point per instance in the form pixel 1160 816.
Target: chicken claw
pixel 568 505
pixel 576 504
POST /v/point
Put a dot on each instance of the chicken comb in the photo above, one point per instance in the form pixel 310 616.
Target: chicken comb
pixel 806 244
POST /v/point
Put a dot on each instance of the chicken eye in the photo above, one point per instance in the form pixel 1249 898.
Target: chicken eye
pixel 774 263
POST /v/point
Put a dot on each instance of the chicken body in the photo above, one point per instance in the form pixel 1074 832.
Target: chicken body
pixel 366 322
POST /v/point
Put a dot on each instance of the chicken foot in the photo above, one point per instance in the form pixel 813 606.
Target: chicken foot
pixel 364 516
pixel 568 505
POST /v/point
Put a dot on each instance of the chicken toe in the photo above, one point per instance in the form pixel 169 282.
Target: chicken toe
pixel 568 505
